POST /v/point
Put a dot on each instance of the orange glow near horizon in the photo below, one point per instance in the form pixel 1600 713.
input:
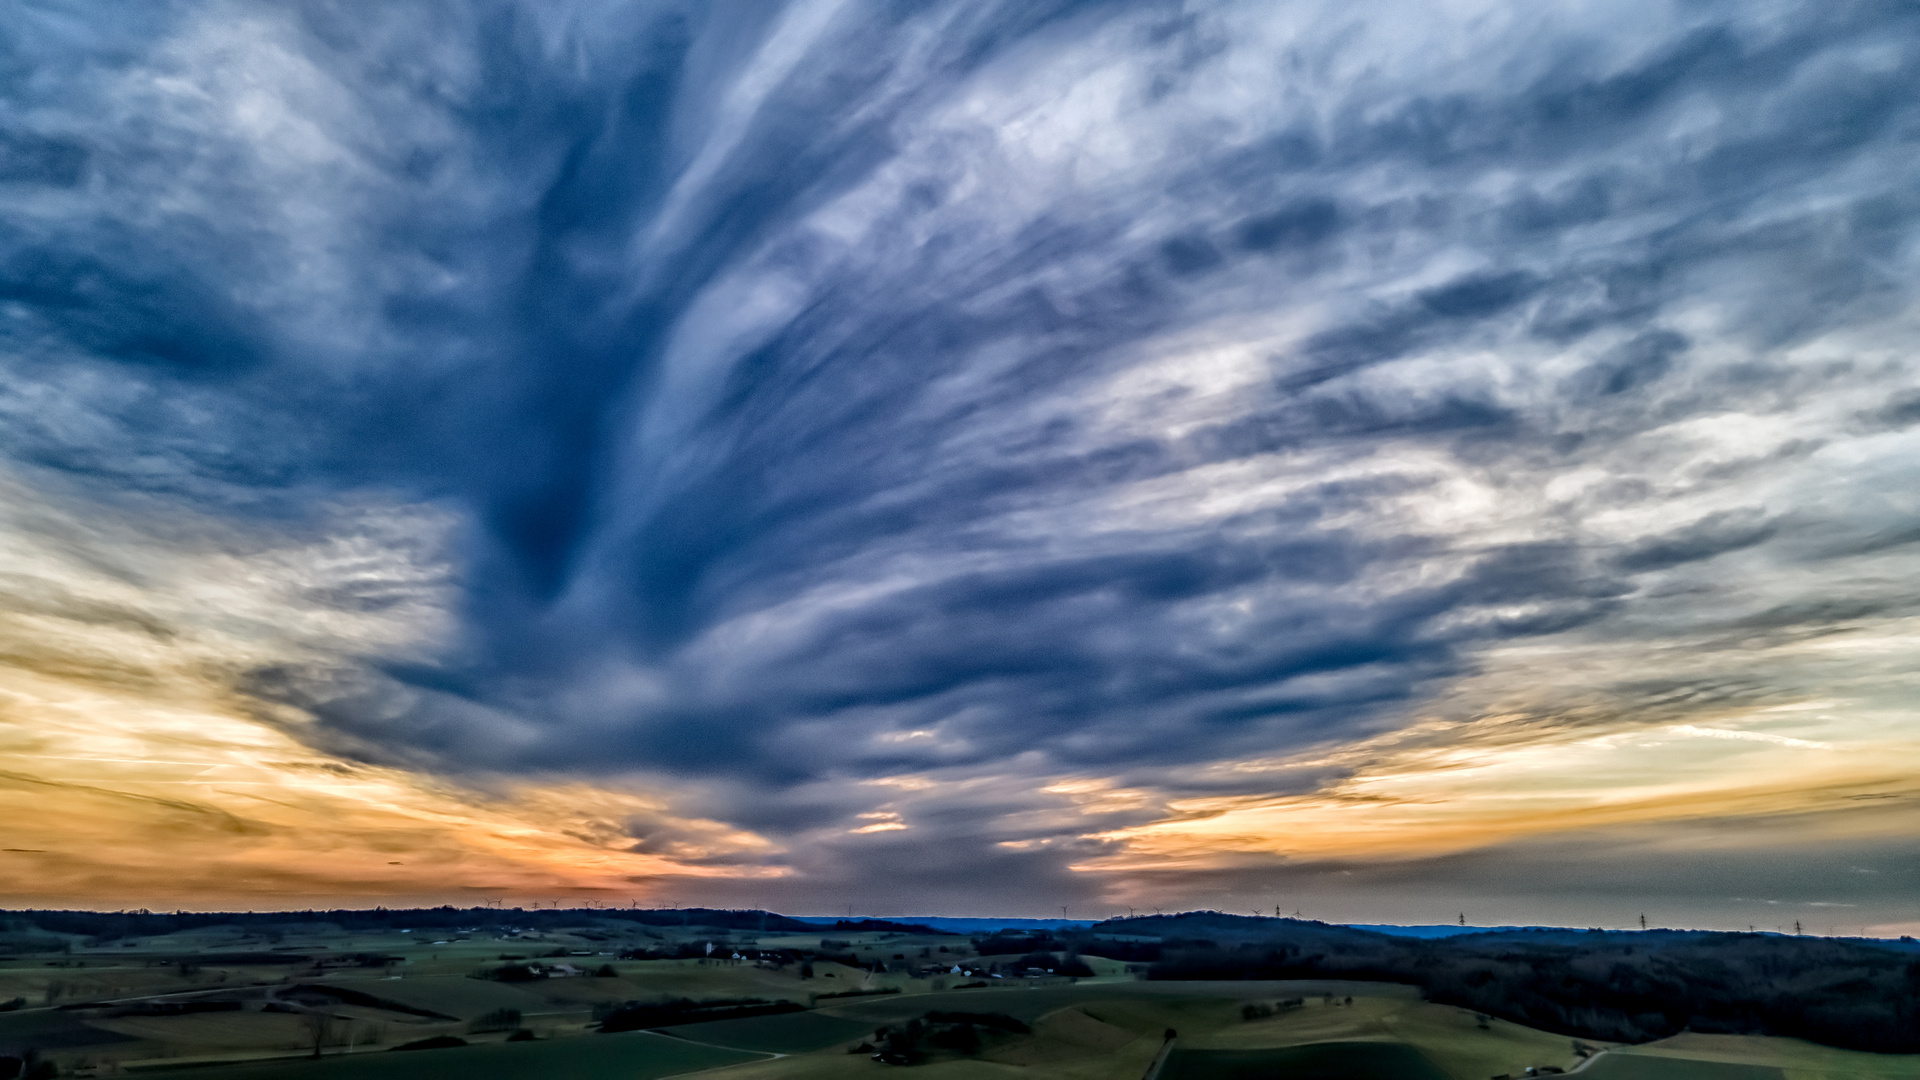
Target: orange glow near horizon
pixel 180 806
pixel 135 770
pixel 1445 801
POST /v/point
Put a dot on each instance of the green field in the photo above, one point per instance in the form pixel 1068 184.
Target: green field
pixel 1796 1059
pixel 1093 1031
pixel 52 1030
pixel 1316 1061
pixel 1028 1004
pixel 636 1056
pixel 785 1033
pixel 454 995
pixel 1647 1067
pixel 1111 1027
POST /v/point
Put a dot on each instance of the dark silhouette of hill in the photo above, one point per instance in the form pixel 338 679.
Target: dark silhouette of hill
pixel 879 926
pixel 1616 985
pixel 114 925
pixel 1624 986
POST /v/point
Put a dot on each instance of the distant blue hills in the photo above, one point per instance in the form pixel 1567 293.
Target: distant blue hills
pixel 978 926
pixel 1428 931
pixel 1443 930
pixel 963 926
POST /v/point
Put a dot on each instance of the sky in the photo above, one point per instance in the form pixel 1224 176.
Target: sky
pixel 1395 462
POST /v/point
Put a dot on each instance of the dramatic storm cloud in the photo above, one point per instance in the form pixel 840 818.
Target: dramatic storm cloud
pixel 977 456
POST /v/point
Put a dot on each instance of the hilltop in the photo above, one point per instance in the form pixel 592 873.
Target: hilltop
pixel 1626 986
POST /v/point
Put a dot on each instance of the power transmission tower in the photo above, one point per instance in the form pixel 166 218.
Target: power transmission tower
pixel 1643 920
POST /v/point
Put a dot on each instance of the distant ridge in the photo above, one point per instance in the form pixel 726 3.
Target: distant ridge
pixel 963 926
pixel 866 926
pixel 1444 930
pixel 1628 986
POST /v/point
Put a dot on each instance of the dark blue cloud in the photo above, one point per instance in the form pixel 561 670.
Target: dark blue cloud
pixel 786 362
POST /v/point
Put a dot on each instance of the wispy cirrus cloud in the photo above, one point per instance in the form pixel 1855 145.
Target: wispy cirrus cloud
pixel 136 769
pixel 1100 420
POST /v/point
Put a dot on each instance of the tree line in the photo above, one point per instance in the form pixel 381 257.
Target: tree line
pixel 1619 986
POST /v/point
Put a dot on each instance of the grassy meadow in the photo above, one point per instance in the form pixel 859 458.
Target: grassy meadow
pixel 226 1003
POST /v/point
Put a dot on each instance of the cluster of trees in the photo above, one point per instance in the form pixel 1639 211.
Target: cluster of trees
pixel 1260 1010
pixel 1627 987
pixel 639 1015
pixel 1053 963
pixel 1094 941
pixel 1004 942
pixel 515 972
pixel 327 995
pixel 1131 952
pixel 1058 954
pixel 886 926
pixel 501 1019
pixel 961 1032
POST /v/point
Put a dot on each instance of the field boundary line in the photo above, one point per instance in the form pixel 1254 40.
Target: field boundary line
pixel 1160 1060
pixel 1590 1059
pixel 771 1054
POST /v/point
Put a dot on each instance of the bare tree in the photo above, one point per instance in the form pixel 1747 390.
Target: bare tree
pixel 319 1027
